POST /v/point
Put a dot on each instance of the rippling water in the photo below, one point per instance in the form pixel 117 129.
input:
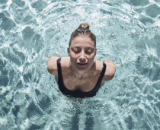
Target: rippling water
pixel 128 32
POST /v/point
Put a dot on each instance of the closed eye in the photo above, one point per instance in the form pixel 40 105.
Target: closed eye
pixel 89 51
pixel 75 50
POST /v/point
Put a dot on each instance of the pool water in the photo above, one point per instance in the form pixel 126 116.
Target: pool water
pixel 128 33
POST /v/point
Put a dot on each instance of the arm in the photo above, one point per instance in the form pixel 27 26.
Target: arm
pixel 52 64
pixel 110 69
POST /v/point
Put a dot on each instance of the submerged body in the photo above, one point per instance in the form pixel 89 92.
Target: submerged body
pixel 80 72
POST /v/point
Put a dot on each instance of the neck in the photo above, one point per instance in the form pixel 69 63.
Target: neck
pixel 80 74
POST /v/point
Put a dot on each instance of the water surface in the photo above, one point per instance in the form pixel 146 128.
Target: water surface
pixel 128 32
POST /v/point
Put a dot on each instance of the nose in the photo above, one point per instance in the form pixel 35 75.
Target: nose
pixel 82 56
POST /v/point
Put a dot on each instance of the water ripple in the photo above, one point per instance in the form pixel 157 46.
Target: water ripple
pixel 127 32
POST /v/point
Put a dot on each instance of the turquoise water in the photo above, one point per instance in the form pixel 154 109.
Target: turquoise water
pixel 128 32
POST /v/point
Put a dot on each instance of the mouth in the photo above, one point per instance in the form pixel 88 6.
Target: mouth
pixel 82 64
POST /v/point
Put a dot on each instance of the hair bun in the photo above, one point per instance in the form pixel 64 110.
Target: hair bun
pixel 83 26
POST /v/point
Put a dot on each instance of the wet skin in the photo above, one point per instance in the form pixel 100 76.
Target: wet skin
pixel 80 70
pixel 82 52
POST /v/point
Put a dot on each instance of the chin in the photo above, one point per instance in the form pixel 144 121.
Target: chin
pixel 82 68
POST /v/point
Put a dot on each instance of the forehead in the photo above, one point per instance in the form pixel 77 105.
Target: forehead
pixel 82 41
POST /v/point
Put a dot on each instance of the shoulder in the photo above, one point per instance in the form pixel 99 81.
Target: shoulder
pixel 110 70
pixel 52 65
pixel 65 62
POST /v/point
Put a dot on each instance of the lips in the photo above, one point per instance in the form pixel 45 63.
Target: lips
pixel 82 64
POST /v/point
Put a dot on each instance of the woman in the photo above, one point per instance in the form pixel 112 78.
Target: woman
pixel 80 75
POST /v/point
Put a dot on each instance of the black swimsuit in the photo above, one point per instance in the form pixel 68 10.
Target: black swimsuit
pixel 78 93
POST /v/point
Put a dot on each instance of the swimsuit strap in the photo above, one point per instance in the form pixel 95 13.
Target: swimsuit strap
pixel 102 73
pixel 59 68
pixel 60 79
pixel 75 93
pixel 98 85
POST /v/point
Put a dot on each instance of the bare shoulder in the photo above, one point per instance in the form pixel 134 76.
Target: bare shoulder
pixel 65 62
pixel 98 66
pixel 110 69
pixel 52 65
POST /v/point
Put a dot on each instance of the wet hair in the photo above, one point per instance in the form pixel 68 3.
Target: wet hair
pixel 83 30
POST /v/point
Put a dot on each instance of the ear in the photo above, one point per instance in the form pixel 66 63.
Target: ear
pixel 68 52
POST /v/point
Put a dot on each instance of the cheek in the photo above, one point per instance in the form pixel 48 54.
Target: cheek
pixel 91 56
pixel 90 59
pixel 73 57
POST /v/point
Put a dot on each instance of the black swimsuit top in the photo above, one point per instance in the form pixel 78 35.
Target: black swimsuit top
pixel 78 93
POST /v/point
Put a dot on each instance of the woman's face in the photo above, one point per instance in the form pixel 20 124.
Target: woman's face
pixel 82 52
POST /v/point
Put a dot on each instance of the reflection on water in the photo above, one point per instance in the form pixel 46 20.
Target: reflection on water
pixel 89 123
pixel 128 32
pixel 75 122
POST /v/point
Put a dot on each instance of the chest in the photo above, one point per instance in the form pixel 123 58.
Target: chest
pixel 84 84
